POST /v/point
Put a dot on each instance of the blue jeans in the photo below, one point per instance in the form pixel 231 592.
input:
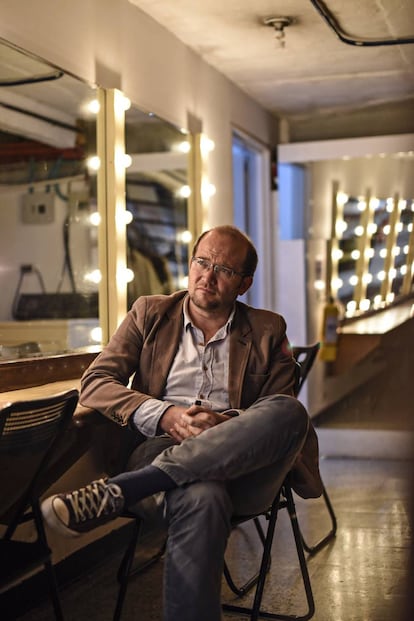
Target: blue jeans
pixel 235 468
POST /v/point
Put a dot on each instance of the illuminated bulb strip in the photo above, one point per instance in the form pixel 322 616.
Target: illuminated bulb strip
pixel 94 106
pixel 95 277
pixel 342 198
pixel 184 147
pixel 337 254
pixel 95 218
pixel 184 237
pixel 207 190
pixel 340 227
pixel 93 162
pixel 206 145
pixel 184 191
pixel 96 335
pixel 124 275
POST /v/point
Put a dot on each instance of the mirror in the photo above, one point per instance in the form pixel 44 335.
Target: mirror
pixel 48 232
pixel 374 251
pixel 157 191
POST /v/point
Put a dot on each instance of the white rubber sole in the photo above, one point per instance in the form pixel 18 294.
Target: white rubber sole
pixel 53 521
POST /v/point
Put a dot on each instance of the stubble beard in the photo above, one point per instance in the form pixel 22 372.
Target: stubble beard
pixel 203 304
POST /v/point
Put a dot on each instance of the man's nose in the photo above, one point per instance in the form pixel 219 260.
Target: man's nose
pixel 210 273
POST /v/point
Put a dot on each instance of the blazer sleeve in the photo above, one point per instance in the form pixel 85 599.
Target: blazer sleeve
pixel 104 385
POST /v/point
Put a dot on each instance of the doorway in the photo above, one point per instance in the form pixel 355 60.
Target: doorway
pixel 253 213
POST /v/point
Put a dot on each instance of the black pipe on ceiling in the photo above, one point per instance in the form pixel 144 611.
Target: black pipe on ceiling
pixel 333 24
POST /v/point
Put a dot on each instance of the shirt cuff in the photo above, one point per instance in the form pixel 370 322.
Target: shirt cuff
pixel 232 412
pixel 147 416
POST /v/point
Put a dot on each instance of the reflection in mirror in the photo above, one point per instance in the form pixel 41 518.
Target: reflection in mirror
pixel 48 232
pixel 156 196
pixel 373 252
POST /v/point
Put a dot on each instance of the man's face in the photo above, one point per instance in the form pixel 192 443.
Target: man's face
pixel 211 291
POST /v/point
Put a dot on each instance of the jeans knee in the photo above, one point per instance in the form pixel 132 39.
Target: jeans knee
pixel 299 414
pixel 286 410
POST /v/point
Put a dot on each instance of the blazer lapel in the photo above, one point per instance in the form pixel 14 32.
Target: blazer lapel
pixel 165 348
pixel 240 346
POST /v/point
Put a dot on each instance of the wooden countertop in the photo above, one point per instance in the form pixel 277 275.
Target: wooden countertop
pixel 82 414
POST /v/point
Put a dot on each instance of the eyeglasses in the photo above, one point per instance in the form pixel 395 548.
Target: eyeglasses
pixel 221 271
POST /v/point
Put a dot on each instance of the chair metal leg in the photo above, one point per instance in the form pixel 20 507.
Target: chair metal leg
pixel 249 584
pixel 255 612
pixel 54 593
pixel 36 515
pixel 260 578
pixel 330 535
pixel 124 571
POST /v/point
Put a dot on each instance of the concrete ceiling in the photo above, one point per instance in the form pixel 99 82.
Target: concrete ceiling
pixel 315 75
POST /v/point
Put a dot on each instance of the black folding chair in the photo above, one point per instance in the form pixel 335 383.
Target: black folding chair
pixel 305 356
pixel 29 433
pixel 284 500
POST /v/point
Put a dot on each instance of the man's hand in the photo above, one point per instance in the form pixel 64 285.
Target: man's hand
pixel 181 423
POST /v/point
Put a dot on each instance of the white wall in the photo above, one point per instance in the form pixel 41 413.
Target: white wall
pixel 113 44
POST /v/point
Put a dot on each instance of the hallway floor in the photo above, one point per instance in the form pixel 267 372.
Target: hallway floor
pixel 360 576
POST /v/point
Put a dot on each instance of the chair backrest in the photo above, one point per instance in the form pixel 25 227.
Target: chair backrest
pixel 29 431
pixel 305 356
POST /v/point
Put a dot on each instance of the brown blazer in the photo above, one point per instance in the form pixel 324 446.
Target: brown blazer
pixel 146 342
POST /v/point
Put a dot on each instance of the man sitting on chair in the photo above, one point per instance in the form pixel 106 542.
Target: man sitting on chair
pixel 213 393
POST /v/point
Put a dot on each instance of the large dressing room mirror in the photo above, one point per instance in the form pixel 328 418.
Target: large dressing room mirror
pixel 48 205
pixel 157 192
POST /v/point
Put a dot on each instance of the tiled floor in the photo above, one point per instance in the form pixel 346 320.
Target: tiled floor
pixel 360 576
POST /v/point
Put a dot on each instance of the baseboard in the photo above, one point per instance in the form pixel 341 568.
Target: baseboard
pixel 366 443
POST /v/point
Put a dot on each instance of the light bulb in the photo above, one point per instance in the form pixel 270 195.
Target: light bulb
pixel 93 162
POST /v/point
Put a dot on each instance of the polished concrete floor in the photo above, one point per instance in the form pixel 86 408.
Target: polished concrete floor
pixel 360 576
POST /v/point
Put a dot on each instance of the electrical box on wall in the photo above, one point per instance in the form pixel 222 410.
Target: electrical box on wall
pixel 38 208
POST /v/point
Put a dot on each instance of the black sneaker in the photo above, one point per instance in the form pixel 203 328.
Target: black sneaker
pixel 77 512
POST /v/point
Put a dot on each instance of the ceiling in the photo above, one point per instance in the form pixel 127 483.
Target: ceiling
pixel 315 75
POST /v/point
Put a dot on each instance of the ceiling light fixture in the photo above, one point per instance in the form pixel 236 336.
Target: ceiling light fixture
pixel 279 24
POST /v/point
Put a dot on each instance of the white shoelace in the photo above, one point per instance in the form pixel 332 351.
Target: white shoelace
pixel 93 500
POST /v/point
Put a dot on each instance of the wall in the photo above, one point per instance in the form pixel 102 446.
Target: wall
pixel 113 44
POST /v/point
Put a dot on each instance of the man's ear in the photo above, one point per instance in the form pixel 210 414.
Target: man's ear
pixel 245 284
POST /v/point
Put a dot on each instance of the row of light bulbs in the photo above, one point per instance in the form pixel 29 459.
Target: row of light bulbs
pixel 368 278
pixel 374 202
pixel 341 226
pixel 337 254
pixel 369 253
pixel 366 303
pixel 124 161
